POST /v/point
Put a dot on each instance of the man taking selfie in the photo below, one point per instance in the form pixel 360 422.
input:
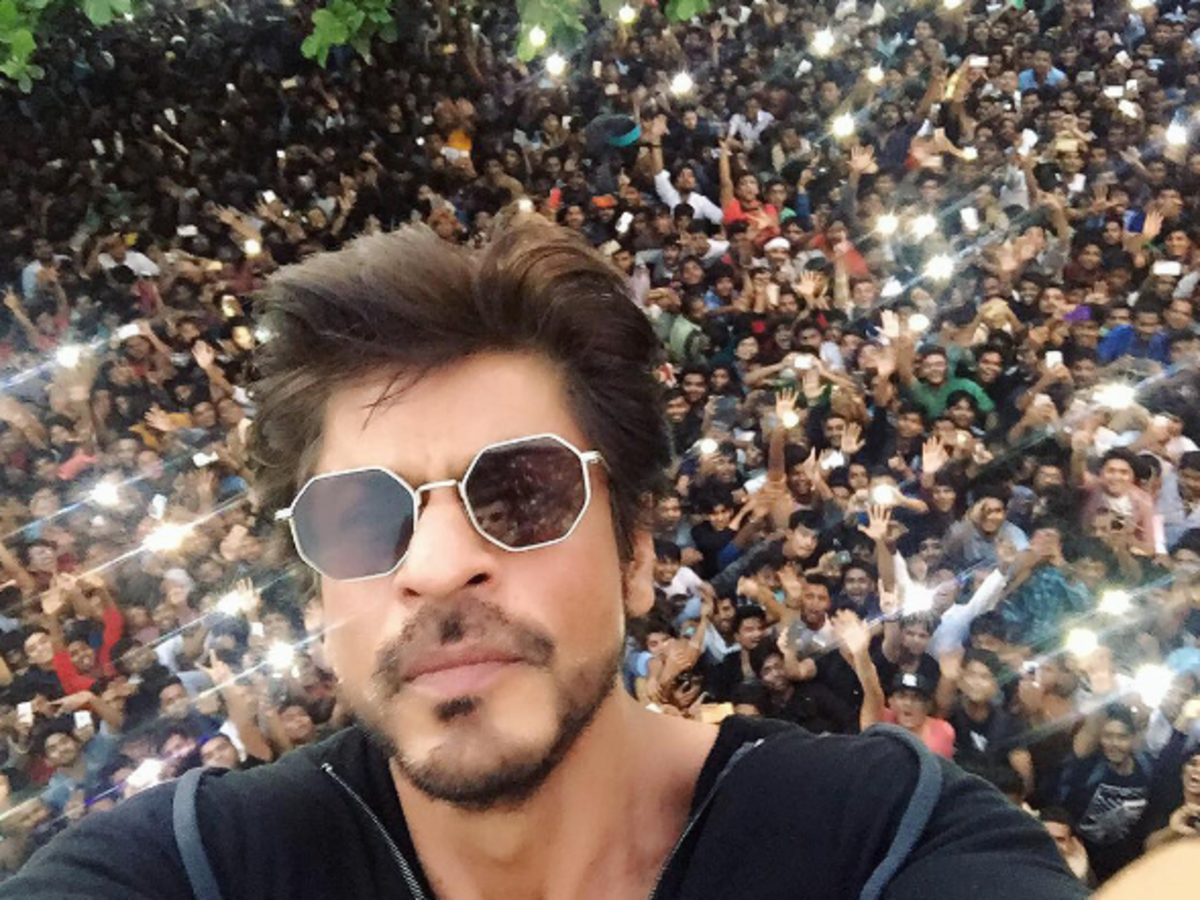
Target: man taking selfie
pixel 466 450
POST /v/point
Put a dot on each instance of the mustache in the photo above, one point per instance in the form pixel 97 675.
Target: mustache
pixel 445 624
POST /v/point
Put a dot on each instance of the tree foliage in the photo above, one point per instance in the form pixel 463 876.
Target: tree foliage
pixel 337 23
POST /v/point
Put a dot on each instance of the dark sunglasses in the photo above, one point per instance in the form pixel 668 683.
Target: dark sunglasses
pixel 521 494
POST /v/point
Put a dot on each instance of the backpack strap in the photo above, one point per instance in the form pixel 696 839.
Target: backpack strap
pixel 187 836
pixel 916 816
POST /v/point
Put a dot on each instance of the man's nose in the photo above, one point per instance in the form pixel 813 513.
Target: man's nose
pixel 446 553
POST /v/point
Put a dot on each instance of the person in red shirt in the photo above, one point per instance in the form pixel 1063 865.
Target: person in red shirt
pixel 911 703
pixel 79 666
pixel 741 200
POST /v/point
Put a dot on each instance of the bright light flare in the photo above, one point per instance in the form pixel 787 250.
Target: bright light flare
pixel 627 15
pixel 1116 395
pixel 884 495
pixel 69 355
pixel 823 42
pixel 1177 134
pixel 166 537
pixel 918 599
pixel 682 84
pixel 875 74
pixel 1115 602
pixel 887 224
pixel 940 267
pixel 708 446
pixel 918 323
pixel 791 419
pixel 106 493
pixel 923 226
pixel 970 154
pixel 843 126
pixel 149 773
pixel 891 288
pixel 1082 642
pixel 952 5
pixel 537 36
pixel 252 247
pixel 1152 683
pixel 281 657
pixel 556 64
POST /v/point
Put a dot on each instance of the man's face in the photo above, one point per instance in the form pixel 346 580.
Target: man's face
pixel 695 387
pixel 914 639
pixel 685 182
pixel 219 753
pixel 548 649
pixel 668 513
pixel 61 750
pixel 856 585
pixel 723 615
pixel 677 409
pixel 750 633
pixel 1116 742
pixel 978 683
pixel 933 369
pixel 1146 325
pixel 990 366
pixel 814 605
pixel 991 515
pixel 173 701
pixel 1189 484
pixel 720 517
pixel 82 656
pixel 38 649
pixel 665 570
pixel 1116 476
pixel 911 709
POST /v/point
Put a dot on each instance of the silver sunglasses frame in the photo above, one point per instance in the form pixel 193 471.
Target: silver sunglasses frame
pixel 586 458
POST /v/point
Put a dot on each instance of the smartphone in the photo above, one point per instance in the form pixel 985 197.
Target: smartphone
pixel 1029 140
pixel 597 68
pixel 624 222
pixel 1131 86
pixel 1123 58
pixel 98 146
pixel 1114 92
pixel 1078 183
pixel 970 218
pixel 187 231
pixel 1167 268
pixel 83 719
pixel 1054 358
pixel 158 506
pixel 804 362
pixel 25 713
pixel 127 331
pixel 1085 78
pixel 170 116
pixel 978 62
pixel 256 629
pixel 834 460
pixel 269 196
pixel 289 83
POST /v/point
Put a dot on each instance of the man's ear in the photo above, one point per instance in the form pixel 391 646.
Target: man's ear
pixel 639 576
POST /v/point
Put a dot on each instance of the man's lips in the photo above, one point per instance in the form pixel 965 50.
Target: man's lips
pixel 448 659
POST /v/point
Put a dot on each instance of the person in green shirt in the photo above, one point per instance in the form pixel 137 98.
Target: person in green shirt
pixel 933 388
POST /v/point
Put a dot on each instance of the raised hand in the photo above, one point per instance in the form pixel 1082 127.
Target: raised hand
pixel 785 405
pixel 891 325
pixel 879 519
pixel 933 456
pixel 852 439
pixel 1152 227
pixel 204 354
pixel 852 633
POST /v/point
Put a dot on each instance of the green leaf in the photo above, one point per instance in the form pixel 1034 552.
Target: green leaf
pixel 99 12
pixel 683 10
pixel 21 44
pixel 121 7
pixel 611 7
pixel 389 31
pixel 25 83
pixel 10 16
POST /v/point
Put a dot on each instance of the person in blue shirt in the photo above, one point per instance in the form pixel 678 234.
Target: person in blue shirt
pixel 1143 339
pixel 1042 74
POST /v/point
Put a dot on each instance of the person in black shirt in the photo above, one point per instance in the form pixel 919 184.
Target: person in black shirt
pixel 987 740
pixel 712 535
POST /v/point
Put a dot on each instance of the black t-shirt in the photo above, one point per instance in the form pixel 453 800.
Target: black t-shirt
pixel 1110 808
pixel 797 815
pixel 710 543
pixel 983 747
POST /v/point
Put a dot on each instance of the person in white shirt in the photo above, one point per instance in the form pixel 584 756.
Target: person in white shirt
pixel 748 127
pixel 682 187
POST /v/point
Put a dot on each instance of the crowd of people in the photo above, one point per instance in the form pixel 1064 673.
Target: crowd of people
pixel 926 280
